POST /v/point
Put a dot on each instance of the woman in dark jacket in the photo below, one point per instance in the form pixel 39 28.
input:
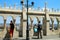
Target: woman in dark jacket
pixel 39 30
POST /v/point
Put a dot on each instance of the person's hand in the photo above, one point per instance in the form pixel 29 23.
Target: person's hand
pixel 10 35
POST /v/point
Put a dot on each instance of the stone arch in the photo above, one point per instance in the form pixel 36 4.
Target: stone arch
pixel 40 19
pixel 17 19
pixel 34 20
pixel 8 19
pixel 29 21
pixel 2 18
pixel 58 22
pixel 50 22
pixel 1 21
pixel 55 24
pixel 37 19
pixel 55 21
pixel 17 22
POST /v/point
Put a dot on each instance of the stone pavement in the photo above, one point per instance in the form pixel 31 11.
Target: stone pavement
pixel 15 37
pixel 51 37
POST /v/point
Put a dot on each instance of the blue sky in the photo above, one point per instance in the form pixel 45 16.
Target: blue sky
pixel 37 3
pixel 50 3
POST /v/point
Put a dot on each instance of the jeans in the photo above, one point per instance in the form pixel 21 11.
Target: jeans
pixel 39 32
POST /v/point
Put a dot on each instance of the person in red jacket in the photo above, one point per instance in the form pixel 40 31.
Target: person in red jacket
pixel 11 29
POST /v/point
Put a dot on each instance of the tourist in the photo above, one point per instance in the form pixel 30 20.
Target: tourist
pixel 39 30
pixel 11 29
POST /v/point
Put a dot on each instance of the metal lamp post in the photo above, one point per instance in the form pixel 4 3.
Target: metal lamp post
pixel 27 6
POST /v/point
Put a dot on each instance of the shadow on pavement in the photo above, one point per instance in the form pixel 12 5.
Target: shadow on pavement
pixel 7 36
pixel 18 39
pixel 34 38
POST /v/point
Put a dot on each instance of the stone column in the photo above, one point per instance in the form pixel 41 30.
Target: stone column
pixel 58 20
pixel 47 18
pixel 24 28
pixel 44 33
pixel 58 25
pixel 37 19
pixel 14 23
pixel 46 23
pixel 52 25
pixel 45 27
pixel 23 23
pixel 21 27
pixel 31 31
pixel 46 30
pixel 59 28
pixel 4 23
pixel 4 30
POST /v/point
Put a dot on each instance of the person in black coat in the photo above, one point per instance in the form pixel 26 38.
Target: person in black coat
pixel 39 30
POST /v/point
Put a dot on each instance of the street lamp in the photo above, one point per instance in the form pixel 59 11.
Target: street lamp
pixel 27 6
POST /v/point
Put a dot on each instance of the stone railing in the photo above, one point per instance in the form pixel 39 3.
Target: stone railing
pixel 15 7
pixel 43 10
pixel 10 7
